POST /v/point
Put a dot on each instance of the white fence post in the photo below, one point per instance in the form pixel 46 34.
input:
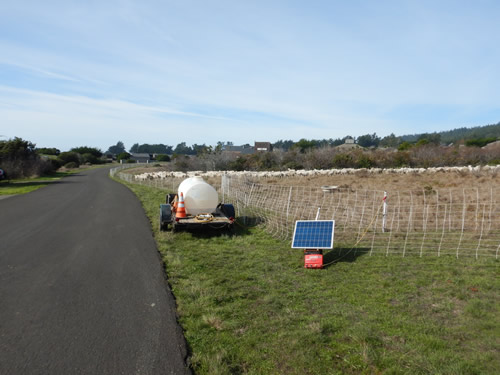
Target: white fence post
pixel 384 212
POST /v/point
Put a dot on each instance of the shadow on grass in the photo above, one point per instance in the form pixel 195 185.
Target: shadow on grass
pixel 343 254
pixel 21 184
pixel 239 229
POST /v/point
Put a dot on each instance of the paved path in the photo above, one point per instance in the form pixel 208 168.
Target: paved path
pixel 82 289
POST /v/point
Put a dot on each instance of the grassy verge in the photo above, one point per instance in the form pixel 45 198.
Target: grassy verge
pixel 247 305
pixel 23 186
pixel 27 185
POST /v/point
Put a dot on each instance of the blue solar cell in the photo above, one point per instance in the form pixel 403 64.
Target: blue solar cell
pixel 317 234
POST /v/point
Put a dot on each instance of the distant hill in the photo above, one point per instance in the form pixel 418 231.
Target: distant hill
pixel 455 135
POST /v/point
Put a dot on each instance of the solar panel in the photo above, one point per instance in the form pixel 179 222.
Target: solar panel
pixel 313 234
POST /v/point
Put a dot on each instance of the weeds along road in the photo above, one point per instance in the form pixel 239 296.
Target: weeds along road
pixel 82 288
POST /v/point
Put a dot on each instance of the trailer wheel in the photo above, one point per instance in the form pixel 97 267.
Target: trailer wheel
pixel 231 229
pixel 162 227
pixel 165 216
pixel 228 210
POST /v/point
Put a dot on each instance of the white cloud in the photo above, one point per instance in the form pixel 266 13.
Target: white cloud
pixel 235 71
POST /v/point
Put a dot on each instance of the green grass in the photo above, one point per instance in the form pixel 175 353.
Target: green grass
pixel 27 185
pixel 248 306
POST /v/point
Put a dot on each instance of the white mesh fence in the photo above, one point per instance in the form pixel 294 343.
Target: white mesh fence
pixel 458 221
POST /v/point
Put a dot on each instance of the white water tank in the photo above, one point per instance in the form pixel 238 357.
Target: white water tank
pixel 199 197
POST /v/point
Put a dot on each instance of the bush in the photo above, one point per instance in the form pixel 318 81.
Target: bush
pixel 71 165
pixel 68 157
pixel 238 165
pixel 48 151
pixel 123 156
pixel 87 150
pixel 293 165
pixel 401 159
pixel 56 163
pixel 162 157
pixel 343 161
pixel 19 159
pixel 479 142
pixel 364 161
pixel 90 158
pixel 404 146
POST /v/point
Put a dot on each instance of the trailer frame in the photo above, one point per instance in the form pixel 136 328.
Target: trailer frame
pixel 222 218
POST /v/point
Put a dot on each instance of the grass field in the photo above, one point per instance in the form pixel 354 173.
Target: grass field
pixel 248 306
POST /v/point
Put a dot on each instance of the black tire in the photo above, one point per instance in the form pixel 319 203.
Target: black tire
pixel 162 227
pixel 228 210
pixel 231 229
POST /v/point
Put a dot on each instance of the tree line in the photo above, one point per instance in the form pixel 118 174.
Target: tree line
pixel 478 136
pixel 21 158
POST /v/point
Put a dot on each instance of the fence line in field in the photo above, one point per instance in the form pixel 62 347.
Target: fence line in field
pixel 455 221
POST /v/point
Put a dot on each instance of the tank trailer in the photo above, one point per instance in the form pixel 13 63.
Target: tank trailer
pixel 196 204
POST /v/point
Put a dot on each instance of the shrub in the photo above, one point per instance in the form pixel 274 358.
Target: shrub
pixel 68 157
pixel 364 161
pixel 238 165
pixel 56 163
pixel 293 165
pixel 123 156
pixel 343 161
pixel 90 158
pixel 162 157
pixel 19 159
pixel 402 159
pixel 87 150
pixel 48 151
pixel 404 146
pixel 479 142
pixel 71 165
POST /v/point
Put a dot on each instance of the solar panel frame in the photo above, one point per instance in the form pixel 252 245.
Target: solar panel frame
pixel 313 234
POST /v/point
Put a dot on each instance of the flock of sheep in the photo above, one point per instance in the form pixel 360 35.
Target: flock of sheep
pixel 315 172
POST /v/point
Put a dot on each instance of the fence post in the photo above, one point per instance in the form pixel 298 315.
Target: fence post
pixel 288 204
pixel 384 212
pixel 223 188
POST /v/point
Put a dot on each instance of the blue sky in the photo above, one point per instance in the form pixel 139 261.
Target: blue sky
pixel 95 72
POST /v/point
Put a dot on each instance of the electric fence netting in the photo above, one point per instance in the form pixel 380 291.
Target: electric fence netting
pixel 462 222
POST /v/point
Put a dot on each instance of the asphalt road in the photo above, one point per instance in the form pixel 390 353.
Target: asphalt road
pixel 82 288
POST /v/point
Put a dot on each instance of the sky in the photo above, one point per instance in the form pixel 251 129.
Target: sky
pixel 93 73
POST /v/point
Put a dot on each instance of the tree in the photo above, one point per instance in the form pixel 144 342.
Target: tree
pixel 123 156
pixel 390 141
pixel 17 149
pixel 305 144
pixel 336 142
pixel 434 138
pixel 18 158
pixel 48 151
pixel 369 140
pixel 283 145
pixel 200 149
pixel 116 149
pixel 87 150
pixel 151 149
pixel 183 149
pixel 163 157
